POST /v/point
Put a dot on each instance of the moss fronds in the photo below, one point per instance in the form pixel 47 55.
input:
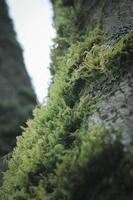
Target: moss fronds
pixel 62 155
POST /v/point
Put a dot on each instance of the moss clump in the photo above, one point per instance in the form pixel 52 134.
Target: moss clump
pixel 59 148
pixel 62 155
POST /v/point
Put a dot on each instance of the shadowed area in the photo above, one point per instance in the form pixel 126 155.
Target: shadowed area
pixel 79 144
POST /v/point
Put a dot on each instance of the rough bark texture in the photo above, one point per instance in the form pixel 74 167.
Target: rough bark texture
pixel 113 14
pixel 79 145
pixel 116 110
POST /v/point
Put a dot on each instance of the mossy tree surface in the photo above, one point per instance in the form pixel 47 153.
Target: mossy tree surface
pixel 62 155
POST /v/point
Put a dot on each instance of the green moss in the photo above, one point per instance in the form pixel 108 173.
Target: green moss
pixel 58 149
pixel 63 155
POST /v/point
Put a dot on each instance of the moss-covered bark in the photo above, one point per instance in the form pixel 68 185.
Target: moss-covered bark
pixel 65 155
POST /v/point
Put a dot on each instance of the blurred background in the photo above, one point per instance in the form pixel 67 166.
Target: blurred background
pixel 26 34
pixel 33 24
